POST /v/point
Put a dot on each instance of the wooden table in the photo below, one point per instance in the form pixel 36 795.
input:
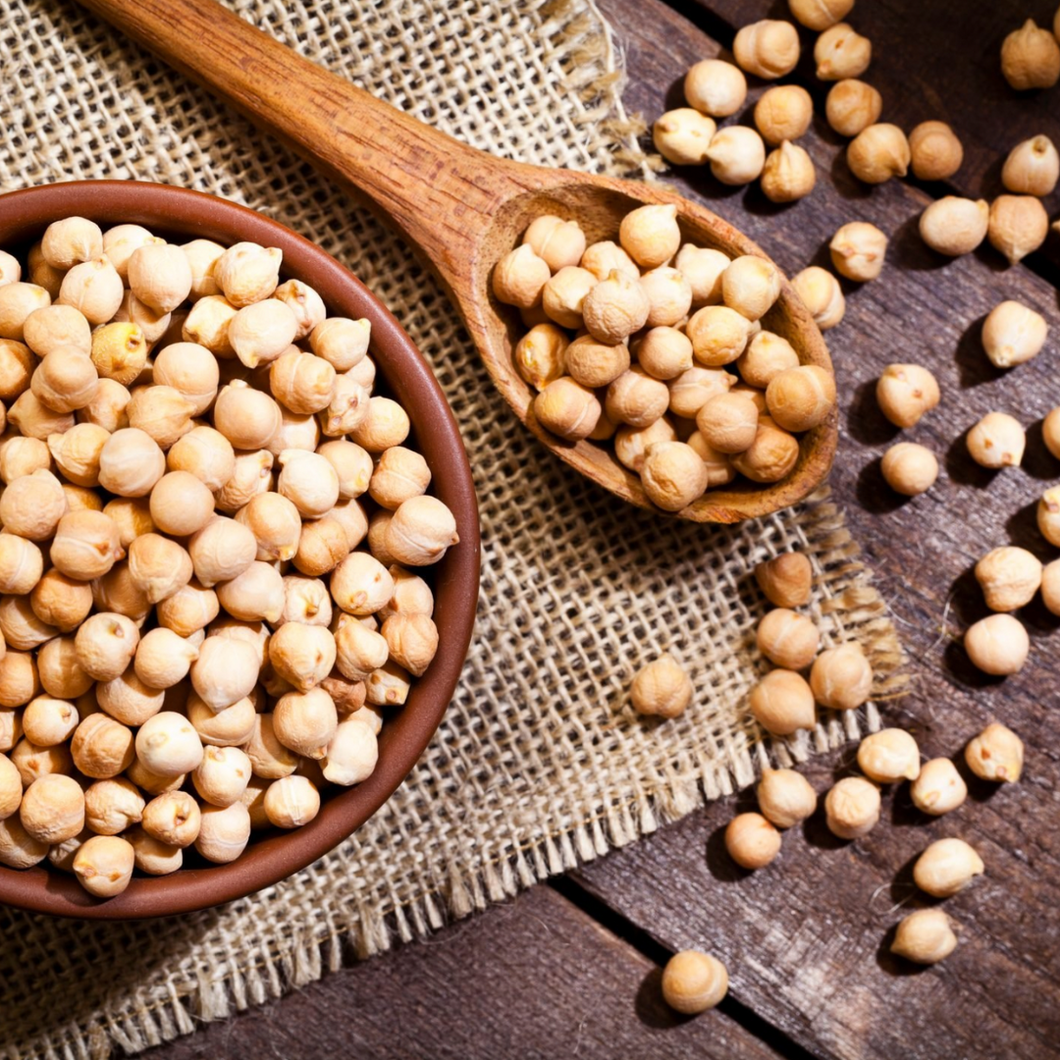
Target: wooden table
pixel 573 968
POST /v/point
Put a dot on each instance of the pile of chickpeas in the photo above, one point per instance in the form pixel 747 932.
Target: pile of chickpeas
pixel 658 348
pixel 195 641
pixel 783 703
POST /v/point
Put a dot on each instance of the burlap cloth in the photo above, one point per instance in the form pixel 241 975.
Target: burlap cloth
pixel 540 762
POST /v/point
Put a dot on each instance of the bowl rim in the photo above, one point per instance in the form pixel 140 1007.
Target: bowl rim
pixel 408 731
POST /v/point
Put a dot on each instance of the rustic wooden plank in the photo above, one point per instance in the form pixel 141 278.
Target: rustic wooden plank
pixel 806 938
pixel 931 61
pixel 535 978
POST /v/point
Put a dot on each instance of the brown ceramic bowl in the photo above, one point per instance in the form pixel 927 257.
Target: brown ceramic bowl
pixel 271 856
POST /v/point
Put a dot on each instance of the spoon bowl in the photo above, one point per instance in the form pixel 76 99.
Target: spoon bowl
pixel 463 210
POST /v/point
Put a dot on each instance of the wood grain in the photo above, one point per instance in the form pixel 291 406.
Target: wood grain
pixel 535 978
pixel 806 938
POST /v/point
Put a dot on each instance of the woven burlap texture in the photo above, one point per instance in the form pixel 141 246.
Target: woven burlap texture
pixel 540 761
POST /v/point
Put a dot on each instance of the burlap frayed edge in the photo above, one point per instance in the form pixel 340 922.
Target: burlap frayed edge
pixel 844 585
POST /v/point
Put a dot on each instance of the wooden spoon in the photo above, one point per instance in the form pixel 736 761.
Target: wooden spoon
pixel 462 208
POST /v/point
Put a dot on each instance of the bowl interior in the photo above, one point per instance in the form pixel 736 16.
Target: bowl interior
pixel 599 204
pixel 181 214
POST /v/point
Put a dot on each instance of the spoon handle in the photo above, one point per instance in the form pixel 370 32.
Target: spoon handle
pixel 441 194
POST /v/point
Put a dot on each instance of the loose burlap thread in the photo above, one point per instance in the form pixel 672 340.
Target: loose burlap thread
pixel 540 762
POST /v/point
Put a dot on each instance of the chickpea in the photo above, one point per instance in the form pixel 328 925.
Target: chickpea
pixel 782 703
pixel 924 937
pixel 1009 577
pixel 736 154
pixel 351 517
pixel 255 594
pixel 938 788
pixel 1051 587
pixel 996 754
pixel 1030 58
pixel 291 802
pixel 1017 226
pixel 105 645
pixel 32 506
pixel 119 351
pixel 304 383
pixel 752 841
pixel 342 342
pixel 682 136
pixel 785 797
pixel 936 152
pixel 120 242
pixel 540 355
pixel 160 412
pixel 48 721
pixel 33 762
pixel 635 398
pixel 352 465
pixel 103 865
pixel 593 364
pixel 10 788
pixel 770 456
pixel 359 650
pixel 1032 167
pixel 997 645
pixel 786 580
pixel 229 727
pixel 692 389
pixel 703 268
pixel 163 658
pixel 768 48
pixel 59 602
pixel 309 481
pixel 77 453
pixel 650 235
pixel 152 857
pixel 275 523
pixel 108 408
pixel 41 274
pixel 224 832
pixel 841 53
pixel 302 655
pixel 322 545
pixel 954 226
pixel 247 418
pixel 788 173
pixel 57 327
pixel 94 288
pixel 130 463
pixel 53 809
pixel 222 775
pixel 158 566
pixel 889 756
pixel 852 106
pixel 946 867
pixel 101 747
pixel 673 475
pixel 189 609
pixel 1048 516
pixel 305 722
pixel 852 808
pixel 664 353
pixel 160 276
pixel 112 806
pixel 65 380
pixel 19 683
pixel 905 393
pixel 10 268
pixel 34 419
pixel 788 639
pixel 252 475
pixel 17 302
pixel 783 113
pixel 22 456
pixel 728 422
pixel 191 370
pixel 306 305
pixel 909 469
pixel 18 849
pixel 16 368
pixel 715 87
pixel 386 424
pixel 766 356
pixel 632 443
pixel 997 440
pixel 207 325
pixel 519 278
pixel 173 818
pixel 207 455
pixel 412 640
pixel 718 334
pixel 1012 334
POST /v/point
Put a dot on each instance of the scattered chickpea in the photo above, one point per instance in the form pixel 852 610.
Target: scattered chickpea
pixel 996 754
pixel 715 87
pixel 782 703
pixel 996 441
pixel 852 106
pixel 889 756
pixel 1048 515
pixel 662 688
pixel 786 580
pixel 1018 225
pixel 1051 587
pixel 1013 334
pixel 788 174
pixel 682 136
pixel 852 808
pixel 878 153
pixel 997 645
pixel 841 677
pixel 924 937
pixel 946 867
pixel 737 155
pixel 752 841
pixel 905 393
pixel 1030 58
pixel 785 797
pixel 693 982
pixel 954 226
pixel 1032 167
pixel 783 113
pixel 788 639
pixel 858 249
pixel 935 151
pixel 909 468
pixel 1009 577
pixel 938 788
pixel 841 53
pixel 768 48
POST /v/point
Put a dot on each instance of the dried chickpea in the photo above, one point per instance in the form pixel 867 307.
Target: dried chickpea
pixel 251 475
pixel 841 677
pixel 562 297
pixel 18 849
pixel 852 808
pixel 935 151
pixel 557 242
pixel 10 788
pixel 1051 587
pixel 59 602
pixel 889 756
pixel 693 388
pixel 632 443
pixel 160 276
pixel 909 469
pixel 275 523
pixel 101 747
pixel 1032 167
pixel 768 48
pixel 669 296
pixel 161 412
pixel 32 506
pixel 593 364
pixel 841 53
pixel 703 268
pixel 309 481
pixel 1017 226
pixel 728 422
pixel 303 655
pixel 119 351
pixel 997 440
pixel 180 504
pixel 19 682
pixel 351 517
pixel 770 456
pixel 130 463
pixel 173 818
pixel 94 288
pixel 22 456
pixel 69 242
pixel 786 580
pixel 388 686
pixel 785 797
pixel 207 325
pixel 150 321
pixel 954 226
pixel 342 342
pixel 151 856
pixel 255 594
pixel 17 302
pixel 905 392
pixel 719 335
pixel 1030 58
pixel 924 937
pixel 41 274
pixel 305 303
pixel 737 155
pixel 167 744
pixel 636 399
pixel 820 14
pixel 788 174
pixel 48 721
pixel 247 418
pixel 34 419
pixel 163 658
pixel 616 307
pixel 33 762
pixel 189 609
pixel 412 640
pixel 223 832
pixel 673 475
pixel 104 864
pixel 568 409
pixel 86 545
pixel 386 424
pixel 858 250
pixel 650 235
pixel 938 788
pixel 229 727
pixel 995 754
pixel 158 566
pixel 1048 516
pixel 322 545
pixel 715 87
pixel 783 113
pixel 107 409
pixel 682 136
pixel 65 380
pixel 112 806
pixel 57 327
pixel 361 585
pixel 1009 577
pixel 222 775
pixel 359 651
pixel 788 639
pixel 752 841
pixel 801 398
pixel 878 153
pixel 77 453
pixel 207 455
pixel 540 355
pixel 16 368
pixel 997 645
pixel 53 809
pixel 352 753
pixel 1013 334
pixel 191 370
pixel 852 106
pixel 822 296
pixel 946 867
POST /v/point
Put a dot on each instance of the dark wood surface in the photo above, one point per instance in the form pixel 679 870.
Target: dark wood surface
pixel 573 969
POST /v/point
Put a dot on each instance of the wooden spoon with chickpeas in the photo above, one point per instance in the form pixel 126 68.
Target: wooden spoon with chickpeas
pixel 466 211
